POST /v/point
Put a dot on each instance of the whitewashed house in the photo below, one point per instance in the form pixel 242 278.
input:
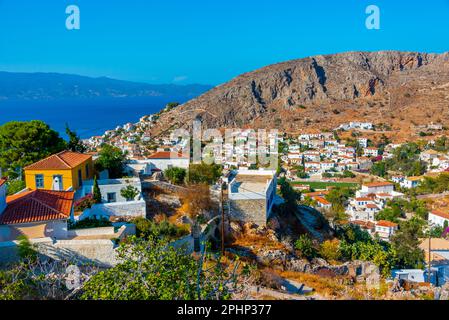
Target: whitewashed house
pixel 386 229
pixel 251 195
pixel 439 218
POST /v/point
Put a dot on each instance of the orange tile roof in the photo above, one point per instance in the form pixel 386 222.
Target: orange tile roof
pixel 2 182
pixel 64 160
pixel 167 155
pixel 372 206
pixel 384 223
pixel 364 199
pixel 316 194
pixel 441 214
pixel 37 206
pixel 322 200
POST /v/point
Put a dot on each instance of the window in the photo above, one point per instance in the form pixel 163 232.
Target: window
pixel 87 171
pixel 39 180
pixel 112 197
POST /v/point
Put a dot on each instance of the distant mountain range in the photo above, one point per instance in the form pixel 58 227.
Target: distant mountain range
pixel 50 86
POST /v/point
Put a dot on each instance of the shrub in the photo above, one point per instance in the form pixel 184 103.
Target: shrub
pixel 305 245
pixel 84 203
pixel 330 250
pixel 146 228
pixel 15 186
pixel 175 175
pixel 89 223
pixel 129 193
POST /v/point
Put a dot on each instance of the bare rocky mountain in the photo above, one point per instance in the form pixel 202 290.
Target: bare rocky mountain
pixel 400 89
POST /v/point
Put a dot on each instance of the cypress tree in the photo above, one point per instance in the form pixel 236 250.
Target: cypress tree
pixel 97 192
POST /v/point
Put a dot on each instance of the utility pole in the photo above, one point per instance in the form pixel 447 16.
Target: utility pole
pixel 222 219
pixel 430 256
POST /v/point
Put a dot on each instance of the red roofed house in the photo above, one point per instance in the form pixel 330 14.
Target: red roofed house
pixel 163 160
pixel 35 214
pixel 438 217
pixel 62 171
pixel 385 229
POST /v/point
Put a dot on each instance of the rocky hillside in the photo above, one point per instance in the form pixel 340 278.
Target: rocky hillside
pixel 401 89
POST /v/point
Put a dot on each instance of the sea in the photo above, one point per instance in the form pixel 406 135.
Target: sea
pixel 88 117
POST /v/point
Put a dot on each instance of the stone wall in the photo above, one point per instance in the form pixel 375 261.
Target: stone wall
pixel 101 252
pixel 168 187
pixel 249 211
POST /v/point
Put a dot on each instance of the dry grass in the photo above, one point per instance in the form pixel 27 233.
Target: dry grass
pixel 258 241
pixel 337 287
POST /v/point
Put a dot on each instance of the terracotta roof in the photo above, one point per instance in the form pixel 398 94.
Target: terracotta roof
pixel 36 206
pixel 322 200
pixel 364 199
pixel 316 194
pixel 61 161
pixel 440 214
pixel 384 223
pixel 167 155
pixel 2 182
pixel 372 206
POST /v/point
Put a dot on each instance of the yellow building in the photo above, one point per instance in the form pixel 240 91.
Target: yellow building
pixel 60 172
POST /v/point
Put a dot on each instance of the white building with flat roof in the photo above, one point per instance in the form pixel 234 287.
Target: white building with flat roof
pixel 251 195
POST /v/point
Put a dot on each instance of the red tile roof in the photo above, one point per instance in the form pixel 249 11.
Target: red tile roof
pixel 64 160
pixel 36 206
pixel 167 155
pixel 322 201
pixel 2 182
pixel 384 223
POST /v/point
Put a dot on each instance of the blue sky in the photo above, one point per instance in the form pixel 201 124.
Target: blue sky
pixel 205 41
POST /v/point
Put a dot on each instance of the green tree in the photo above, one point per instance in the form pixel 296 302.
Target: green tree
pixel 204 173
pixel 290 196
pixel 330 250
pixel 406 244
pixel 23 143
pixel 151 270
pixel 15 186
pixel 74 143
pixel 306 246
pixel 175 175
pixel 112 159
pixel 96 192
pixel 129 193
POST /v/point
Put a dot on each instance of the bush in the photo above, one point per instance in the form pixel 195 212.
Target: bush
pixel 15 186
pixel 84 203
pixel 129 193
pixel 330 250
pixel 204 173
pixel 175 175
pixel 146 228
pixel 89 223
pixel 305 245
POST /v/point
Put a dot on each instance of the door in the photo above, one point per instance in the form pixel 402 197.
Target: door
pixel 57 183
